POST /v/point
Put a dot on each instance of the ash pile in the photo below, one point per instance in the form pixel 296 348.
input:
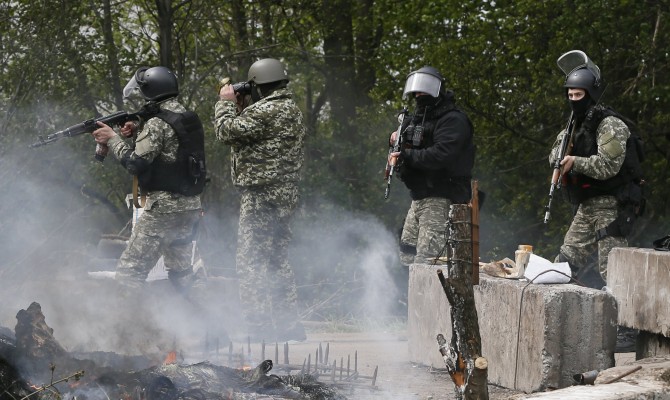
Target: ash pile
pixel 34 365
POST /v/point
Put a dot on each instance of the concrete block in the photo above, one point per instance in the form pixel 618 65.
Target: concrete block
pixel 562 330
pixel 640 282
pixel 651 345
pixel 649 382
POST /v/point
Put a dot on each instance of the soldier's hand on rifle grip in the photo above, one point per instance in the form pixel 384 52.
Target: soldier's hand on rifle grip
pixel 130 128
pixel 103 134
pixel 392 138
pixel 567 162
pixel 393 158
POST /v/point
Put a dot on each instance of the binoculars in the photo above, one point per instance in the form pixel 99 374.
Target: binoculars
pixel 242 87
pixel 239 87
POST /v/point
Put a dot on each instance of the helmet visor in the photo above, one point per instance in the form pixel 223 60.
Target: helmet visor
pixel 130 88
pixel 422 82
pixel 576 59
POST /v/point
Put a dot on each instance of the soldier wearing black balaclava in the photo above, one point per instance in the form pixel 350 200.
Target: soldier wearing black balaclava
pixel 435 163
pixel 595 173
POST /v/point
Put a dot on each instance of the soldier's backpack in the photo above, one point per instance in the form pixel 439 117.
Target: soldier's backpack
pixel 630 193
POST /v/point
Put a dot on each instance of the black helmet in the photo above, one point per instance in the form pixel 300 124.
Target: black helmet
pixel 426 80
pixel 155 83
pixel 267 70
pixel 583 78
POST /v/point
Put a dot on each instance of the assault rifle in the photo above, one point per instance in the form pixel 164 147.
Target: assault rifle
pixel 397 145
pixel 557 176
pixel 88 126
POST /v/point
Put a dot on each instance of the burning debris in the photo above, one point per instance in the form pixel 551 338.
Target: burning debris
pixel 32 361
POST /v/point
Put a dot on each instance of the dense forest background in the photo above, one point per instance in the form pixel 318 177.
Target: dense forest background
pixel 62 62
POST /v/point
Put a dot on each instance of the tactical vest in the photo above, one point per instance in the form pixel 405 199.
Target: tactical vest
pixel 186 175
pixel 418 134
pixel 581 187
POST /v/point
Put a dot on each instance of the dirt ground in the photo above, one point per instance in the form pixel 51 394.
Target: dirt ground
pixel 397 378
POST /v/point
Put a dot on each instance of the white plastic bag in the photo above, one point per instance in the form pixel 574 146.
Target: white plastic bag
pixel 537 267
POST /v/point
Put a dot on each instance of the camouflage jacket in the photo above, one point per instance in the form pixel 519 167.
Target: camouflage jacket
pixel 266 139
pixel 611 139
pixel 157 139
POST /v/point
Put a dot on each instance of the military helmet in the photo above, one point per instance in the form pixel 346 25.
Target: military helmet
pixel 583 78
pixel 155 83
pixel 425 80
pixel 267 70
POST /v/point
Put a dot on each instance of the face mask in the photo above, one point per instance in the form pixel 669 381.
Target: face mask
pixel 581 106
pixel 426 100
pixel 255 93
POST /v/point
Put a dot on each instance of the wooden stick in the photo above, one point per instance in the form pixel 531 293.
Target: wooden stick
pixel 616 378
pixel 474 223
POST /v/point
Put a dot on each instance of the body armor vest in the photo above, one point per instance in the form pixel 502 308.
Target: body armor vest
pixel 418 133
pixel 581 187
pixel 187 174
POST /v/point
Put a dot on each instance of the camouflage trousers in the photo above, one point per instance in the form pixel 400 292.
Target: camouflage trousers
pixel 268 291
pixel 580 240
pixel 424 233
pixel 159 234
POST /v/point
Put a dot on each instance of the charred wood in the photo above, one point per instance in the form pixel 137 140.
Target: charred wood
pixel 41 359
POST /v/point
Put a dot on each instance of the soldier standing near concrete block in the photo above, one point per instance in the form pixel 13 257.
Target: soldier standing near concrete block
pixel 266 139
pixel 601 173
pixel 435 162
pixel 601 169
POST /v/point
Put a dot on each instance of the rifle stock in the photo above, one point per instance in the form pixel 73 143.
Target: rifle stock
pixel 557 174
pixel 391 163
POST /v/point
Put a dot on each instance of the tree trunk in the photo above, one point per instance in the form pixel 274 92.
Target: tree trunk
pixel 112 56
pixel 466 366
pixel 165 15
pixel 242 39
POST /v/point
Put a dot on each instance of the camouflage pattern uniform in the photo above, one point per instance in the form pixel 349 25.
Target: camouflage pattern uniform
pixel 596 212
pixel 267 140
pixel 425 229
pixel 169 219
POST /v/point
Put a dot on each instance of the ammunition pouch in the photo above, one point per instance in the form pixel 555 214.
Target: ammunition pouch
pixel 135 165
pixel 631 203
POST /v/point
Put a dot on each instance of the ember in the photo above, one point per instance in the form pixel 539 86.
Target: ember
pixel 35 356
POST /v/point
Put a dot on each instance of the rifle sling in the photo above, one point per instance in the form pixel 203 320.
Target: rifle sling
pixel 143 199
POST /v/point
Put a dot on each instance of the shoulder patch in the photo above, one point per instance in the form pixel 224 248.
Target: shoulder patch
pixel 613 136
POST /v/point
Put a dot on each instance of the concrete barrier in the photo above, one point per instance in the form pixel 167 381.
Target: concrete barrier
pixel 562 330
pixel 640 282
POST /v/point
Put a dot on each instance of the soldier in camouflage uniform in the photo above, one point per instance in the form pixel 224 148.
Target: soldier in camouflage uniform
pixel 266 139
pixel 435 164
pixel 167 225
pixel 593 170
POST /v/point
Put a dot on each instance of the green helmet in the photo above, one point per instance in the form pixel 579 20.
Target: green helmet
pixel 267 70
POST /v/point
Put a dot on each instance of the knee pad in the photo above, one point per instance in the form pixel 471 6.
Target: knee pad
pixel 563 258
pixel 407 253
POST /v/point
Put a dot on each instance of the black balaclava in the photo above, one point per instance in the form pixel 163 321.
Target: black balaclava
pixel 426 101
pixel 255 93
pixel 581 106
pixel 261 91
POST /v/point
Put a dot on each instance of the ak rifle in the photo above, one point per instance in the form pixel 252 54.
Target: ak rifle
pixel 557 175
pixel 391 163
pixel 88 126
